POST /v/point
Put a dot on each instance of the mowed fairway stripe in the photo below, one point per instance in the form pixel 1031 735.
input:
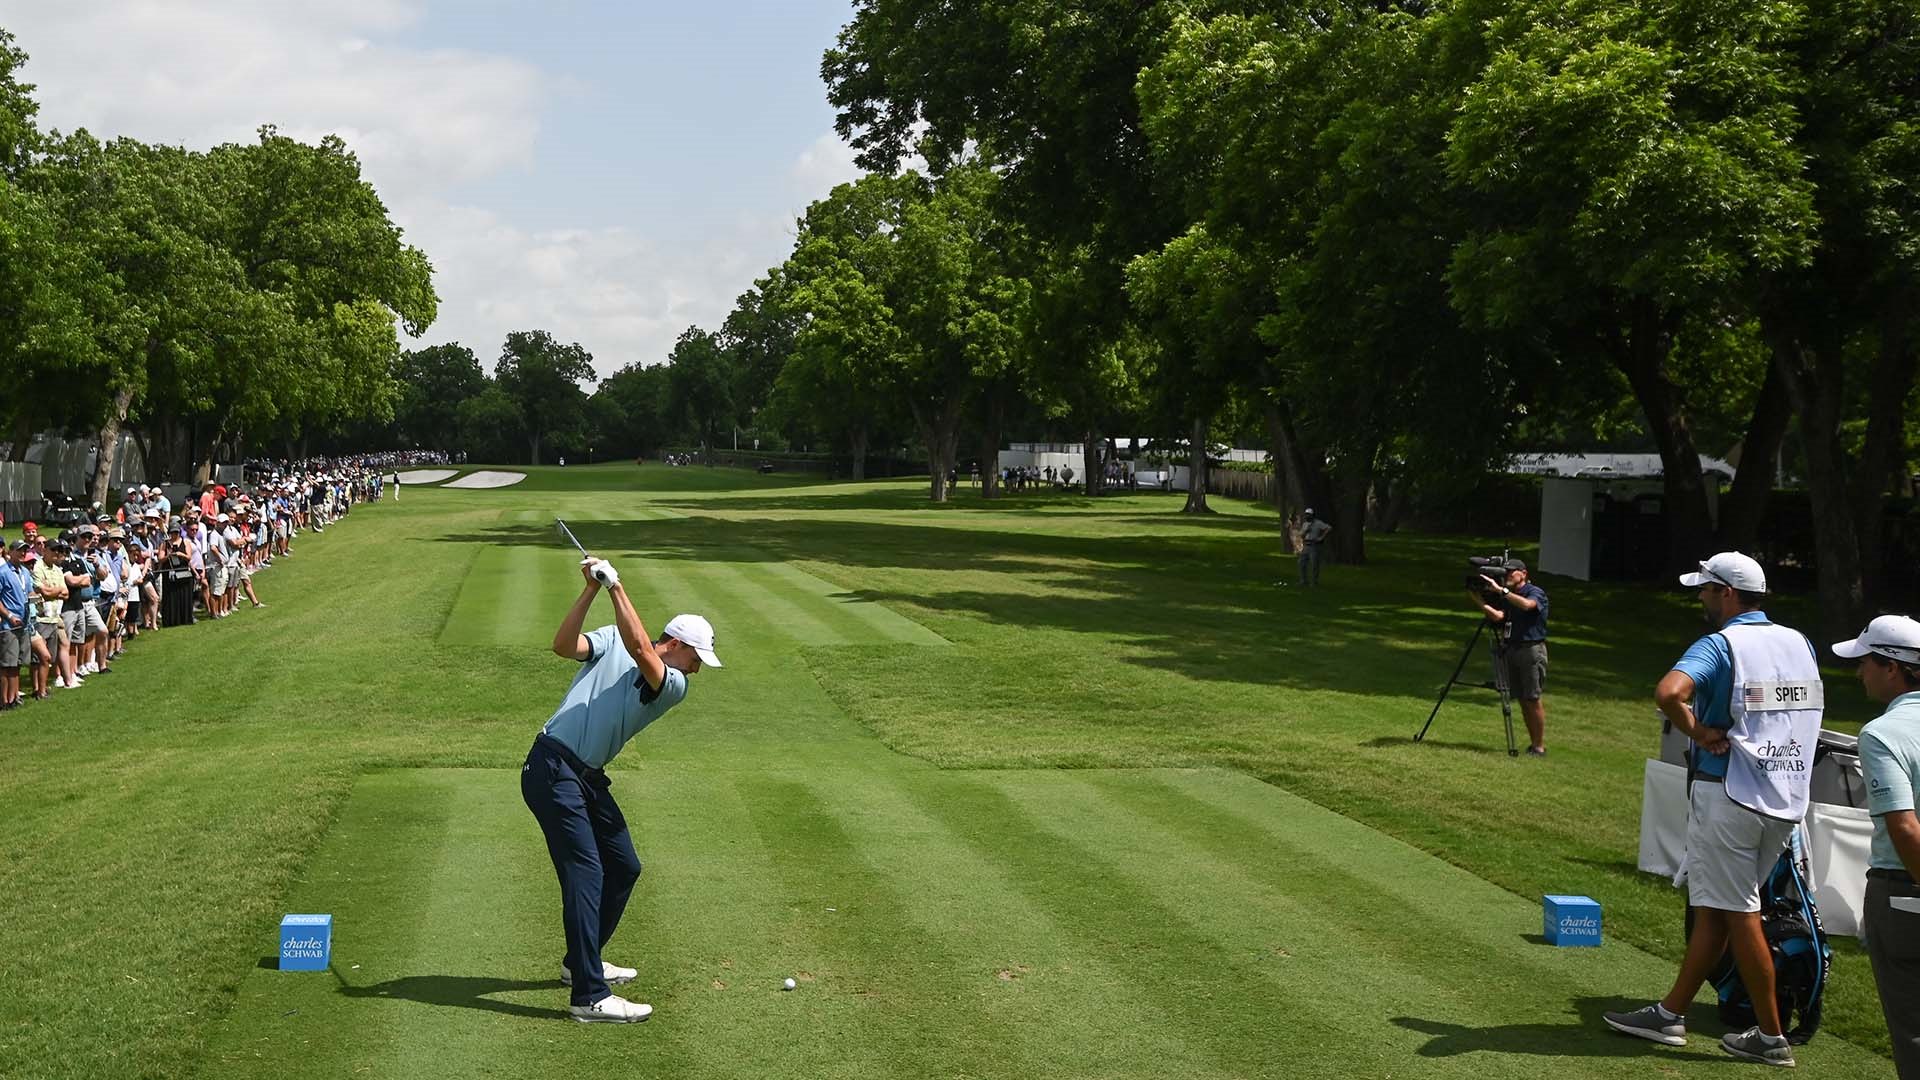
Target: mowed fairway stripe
pixel 1419 954
pixel 1389 965
pixel 862 621
pixel 923 1023
pixel 1217 998
pixel 1064 1012
pixel 780 584
pixel 367 874
pixel 714 929
pixel 775 616
pixel 1375 885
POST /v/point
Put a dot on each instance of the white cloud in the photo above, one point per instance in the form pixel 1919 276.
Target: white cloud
pixel 617 292
pixel 824 164
pixel 201 72
pixel 213 71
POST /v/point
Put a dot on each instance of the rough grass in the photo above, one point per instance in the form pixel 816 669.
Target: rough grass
pixel 158 822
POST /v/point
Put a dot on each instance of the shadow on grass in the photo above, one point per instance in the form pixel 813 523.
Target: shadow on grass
pixel 1198 600
pixel 1587 1037
pixel 460 991
pixel 1489 749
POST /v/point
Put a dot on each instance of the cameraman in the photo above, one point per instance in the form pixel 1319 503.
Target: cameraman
pixel 1519 607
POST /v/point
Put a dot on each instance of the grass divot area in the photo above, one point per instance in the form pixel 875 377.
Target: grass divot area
pixel 1098 923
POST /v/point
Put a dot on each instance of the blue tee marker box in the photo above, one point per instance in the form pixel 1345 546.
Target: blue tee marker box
pixel 1570 920
pixel 306 942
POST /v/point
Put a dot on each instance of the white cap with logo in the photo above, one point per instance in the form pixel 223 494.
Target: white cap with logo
pixel 1896 637
pixel 696 632
pixel 1732 569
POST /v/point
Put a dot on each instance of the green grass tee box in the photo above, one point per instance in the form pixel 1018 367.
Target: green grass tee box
pixel 1098 923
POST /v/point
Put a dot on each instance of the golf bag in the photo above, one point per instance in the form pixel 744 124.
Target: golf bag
pixel 1802 956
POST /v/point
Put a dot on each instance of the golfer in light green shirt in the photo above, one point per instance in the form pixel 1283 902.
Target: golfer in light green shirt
pixel 1889 654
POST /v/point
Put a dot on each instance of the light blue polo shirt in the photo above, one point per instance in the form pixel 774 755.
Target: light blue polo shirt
pixel 1709 663
pixel 604 707
pixel 1890 756
pixel 16 589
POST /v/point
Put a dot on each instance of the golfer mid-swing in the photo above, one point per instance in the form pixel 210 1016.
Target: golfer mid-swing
pixel 625 682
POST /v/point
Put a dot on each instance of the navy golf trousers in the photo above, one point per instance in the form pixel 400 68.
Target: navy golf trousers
pixel 591 850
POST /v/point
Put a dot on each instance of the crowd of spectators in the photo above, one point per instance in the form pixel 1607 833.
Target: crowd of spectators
pixel 386 459
pixel 71 603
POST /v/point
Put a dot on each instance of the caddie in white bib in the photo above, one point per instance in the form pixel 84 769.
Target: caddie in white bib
pixel 1776 705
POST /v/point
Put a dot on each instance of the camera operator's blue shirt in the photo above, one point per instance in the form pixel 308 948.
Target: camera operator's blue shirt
pixel 1709 663
pixel 1528 625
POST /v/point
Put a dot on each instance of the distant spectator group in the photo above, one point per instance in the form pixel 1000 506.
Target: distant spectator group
pixel 71 603
pixel 1022 477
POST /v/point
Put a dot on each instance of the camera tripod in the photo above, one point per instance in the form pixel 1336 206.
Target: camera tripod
pixel 1498 651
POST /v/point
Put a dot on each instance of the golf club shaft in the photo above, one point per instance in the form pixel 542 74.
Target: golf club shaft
pixel 569 535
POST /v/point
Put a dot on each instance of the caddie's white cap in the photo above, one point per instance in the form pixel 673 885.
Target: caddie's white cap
pixel 1895 637
pixel 697 632
pixel 1732 569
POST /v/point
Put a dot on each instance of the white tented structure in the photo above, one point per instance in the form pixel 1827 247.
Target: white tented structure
pixel 1605 511
pixel 66 465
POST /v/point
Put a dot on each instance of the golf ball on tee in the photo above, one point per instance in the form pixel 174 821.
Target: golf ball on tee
pixel 789 984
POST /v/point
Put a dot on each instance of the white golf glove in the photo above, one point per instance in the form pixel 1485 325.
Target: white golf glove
pixel 604 573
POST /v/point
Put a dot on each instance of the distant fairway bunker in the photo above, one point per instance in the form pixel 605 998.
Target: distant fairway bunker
pixel 426 476
pixel 1101 922
pixel 487 478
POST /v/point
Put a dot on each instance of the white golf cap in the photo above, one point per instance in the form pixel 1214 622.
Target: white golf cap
pixel 1732 569
pixel 696 631
pixel 1896 637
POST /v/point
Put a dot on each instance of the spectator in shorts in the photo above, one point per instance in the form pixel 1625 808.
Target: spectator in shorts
pixel 79 618
pixel 50 631
pixel 113 602
pixel 16 628
pixel 230 560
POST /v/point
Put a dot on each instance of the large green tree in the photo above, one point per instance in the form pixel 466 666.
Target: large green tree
pixel 1842 328
pixel 434 381
pixel 1634 166
pixel 1048 87
pixel 958 300
pixel 542 378
pixel 700 387
pixel 848 344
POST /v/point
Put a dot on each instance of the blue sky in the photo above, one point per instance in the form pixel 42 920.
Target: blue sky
pixel 609 172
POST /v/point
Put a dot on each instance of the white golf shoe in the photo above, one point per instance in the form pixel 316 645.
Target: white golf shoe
pixel 613 973
pixel 612 1009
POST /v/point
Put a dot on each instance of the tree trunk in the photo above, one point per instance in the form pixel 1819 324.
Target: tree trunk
pixel 940 428
pixel 1746 503
pixel 1289 488
pixel 858 439
pixel 1094 476
pixel 1197 467
pixel 1882 452
pixel 141 440
pixel 22 435
pixel 1642 356
pixel 992 421
pixel 98 490
pixel 1814 384
pixel 1352 480
pixel 533 446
